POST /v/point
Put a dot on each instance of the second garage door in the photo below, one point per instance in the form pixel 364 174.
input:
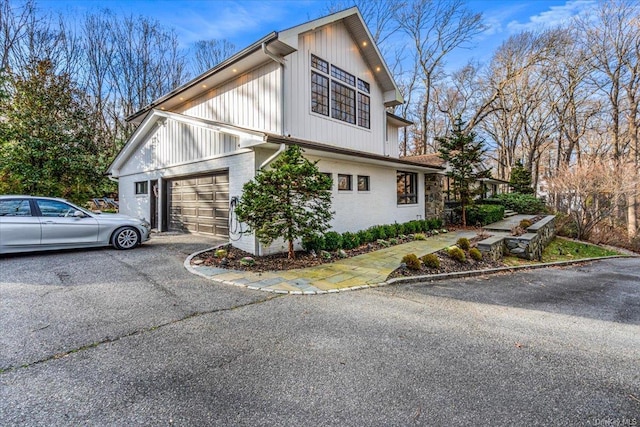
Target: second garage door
pixel 200 204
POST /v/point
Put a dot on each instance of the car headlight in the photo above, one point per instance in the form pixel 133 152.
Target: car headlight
pixel 144 223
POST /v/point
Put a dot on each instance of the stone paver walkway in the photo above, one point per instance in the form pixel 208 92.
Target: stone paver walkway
pixel 366 270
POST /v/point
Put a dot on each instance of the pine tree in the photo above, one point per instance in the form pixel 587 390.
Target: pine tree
pixel 464 155
pixel 290 200
pixel 520 181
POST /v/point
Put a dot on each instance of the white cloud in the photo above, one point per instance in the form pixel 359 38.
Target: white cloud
pixel 555 16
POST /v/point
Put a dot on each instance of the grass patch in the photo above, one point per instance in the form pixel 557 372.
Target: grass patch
pixel 567 250
pixel 564 250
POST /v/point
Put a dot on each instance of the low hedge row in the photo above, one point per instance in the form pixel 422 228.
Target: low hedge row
pixel 484 214
pixel 333 241
pixel 522 203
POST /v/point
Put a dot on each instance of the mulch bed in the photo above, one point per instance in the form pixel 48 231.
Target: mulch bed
pixel 448 265
pixel 278 262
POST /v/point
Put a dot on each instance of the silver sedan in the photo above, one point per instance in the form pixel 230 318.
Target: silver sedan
pixel 29 223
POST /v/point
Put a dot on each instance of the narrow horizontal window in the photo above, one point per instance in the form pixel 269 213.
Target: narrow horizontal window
pixel 320 64
pixel 342 75
pixel 344 182
pixel 363 86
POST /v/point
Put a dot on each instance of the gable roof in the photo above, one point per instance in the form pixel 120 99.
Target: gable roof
pixel 276 46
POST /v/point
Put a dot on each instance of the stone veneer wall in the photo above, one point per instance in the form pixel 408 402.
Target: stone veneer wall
pixel 527 246
pixel 433 196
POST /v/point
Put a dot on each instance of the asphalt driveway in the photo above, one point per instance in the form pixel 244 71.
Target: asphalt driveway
pixel 119 338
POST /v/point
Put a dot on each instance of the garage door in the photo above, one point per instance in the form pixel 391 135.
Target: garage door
pixel 200 204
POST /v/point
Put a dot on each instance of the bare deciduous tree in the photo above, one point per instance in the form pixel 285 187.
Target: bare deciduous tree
pixel 209 53
pixel 436 28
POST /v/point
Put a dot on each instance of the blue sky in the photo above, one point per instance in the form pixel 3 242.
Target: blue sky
pixel 245 21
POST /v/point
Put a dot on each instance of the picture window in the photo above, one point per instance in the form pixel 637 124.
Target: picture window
pixel 347 95
pixel 407 188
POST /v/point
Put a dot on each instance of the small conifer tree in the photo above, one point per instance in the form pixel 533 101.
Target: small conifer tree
pixel 464 155
pixel 520 181
pixel 290 200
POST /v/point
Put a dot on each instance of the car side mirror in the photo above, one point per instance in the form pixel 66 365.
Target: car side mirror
pixel 79 214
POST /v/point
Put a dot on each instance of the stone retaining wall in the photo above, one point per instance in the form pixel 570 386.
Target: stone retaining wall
pixel 527 246
pixel 492 247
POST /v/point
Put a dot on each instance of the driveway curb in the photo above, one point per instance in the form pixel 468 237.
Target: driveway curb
pixel 394 281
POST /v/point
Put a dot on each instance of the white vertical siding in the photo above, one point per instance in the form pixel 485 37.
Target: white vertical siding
pixel 252 100
pixel 392 143
pixel 240 167
pixel 333 44
pixel 174 143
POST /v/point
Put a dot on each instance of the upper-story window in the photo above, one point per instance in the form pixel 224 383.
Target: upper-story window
pixel 339 94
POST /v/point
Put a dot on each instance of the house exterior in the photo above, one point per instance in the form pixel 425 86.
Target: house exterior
pixel 322 85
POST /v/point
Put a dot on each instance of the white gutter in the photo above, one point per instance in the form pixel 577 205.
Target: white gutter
pixel 273 156
pixel 272 55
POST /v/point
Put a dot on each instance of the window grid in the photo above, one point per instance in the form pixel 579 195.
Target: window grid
pixel 319 64
pixel 343 103
pixel 364 111
pixel 342 75
pixel 363 86
pixel 347 103
pixel 319 94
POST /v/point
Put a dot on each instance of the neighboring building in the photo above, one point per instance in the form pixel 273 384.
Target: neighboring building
pixel 439 194
pixel 322 85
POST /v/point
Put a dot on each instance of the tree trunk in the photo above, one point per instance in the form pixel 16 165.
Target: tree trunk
pixel 292 253
pixel 632 220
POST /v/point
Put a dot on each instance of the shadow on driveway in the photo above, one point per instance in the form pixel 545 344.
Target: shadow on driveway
pixel 605 290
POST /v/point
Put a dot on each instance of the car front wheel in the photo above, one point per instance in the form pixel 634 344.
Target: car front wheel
pixel 126 238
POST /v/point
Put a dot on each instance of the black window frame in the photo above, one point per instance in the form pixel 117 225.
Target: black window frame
pixel 366 181
pixel 407 188
pixel 348 180
pixel 319 93
pixel 343 102
pixel 141 188
pixel 339 94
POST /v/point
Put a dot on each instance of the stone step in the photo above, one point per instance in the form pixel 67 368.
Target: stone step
pixel 508 213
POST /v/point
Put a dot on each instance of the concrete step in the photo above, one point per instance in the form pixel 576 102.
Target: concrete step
pixel 508 213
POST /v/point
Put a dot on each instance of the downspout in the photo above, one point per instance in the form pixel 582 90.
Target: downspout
pixel 282 147
pixel 280 60
pixel 273 156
